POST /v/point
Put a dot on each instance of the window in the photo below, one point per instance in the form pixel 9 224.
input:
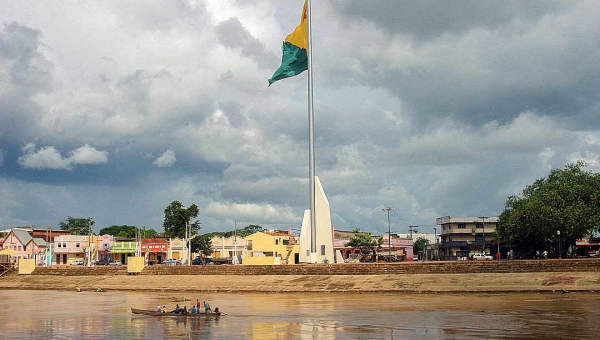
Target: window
pixel 64 244
pixel 449 238
pixel 76 245
pixel 286 242
pixel 276 241
pixel 59 245
pixel 249 245
pixel 322 249
pixel 478 225
pixel 462 226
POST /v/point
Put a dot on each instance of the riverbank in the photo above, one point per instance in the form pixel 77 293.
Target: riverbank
pixel 384 283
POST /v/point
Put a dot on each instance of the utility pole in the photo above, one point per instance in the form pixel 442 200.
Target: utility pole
pixel 234 259
pixel 435 241
pixel 411 228
pixel 388 209
pixel 483 226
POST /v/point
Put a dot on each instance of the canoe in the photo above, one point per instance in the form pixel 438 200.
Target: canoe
pixel 179 315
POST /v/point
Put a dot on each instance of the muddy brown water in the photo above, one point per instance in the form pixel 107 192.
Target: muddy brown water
pixel 106 315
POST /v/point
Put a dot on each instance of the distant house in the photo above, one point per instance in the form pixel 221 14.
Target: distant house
pixel 26 246
pixel 229 247
pixel 155 250
pixel 68 248
pixel 400 248
pixel 271 247
pixel 463 236
pixel 124 248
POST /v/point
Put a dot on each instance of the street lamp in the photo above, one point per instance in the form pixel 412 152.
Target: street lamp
pixel 388 209
pixel 483 226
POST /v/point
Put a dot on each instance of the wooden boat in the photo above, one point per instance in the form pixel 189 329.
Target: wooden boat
pixel 179 315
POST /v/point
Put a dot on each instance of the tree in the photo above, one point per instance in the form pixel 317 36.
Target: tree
pixel 77 225
pixel 202 244
pixel 566 202
pixel 249 230
pixel 420 244
pixel 124 231
pixel 365 243
pixel 127 231
pixel 177 217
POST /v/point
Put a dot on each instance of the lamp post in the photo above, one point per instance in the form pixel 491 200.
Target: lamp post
pixel 388 209
pixel 435 241
pixel 483 226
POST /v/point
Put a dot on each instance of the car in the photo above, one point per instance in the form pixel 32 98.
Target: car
pixel 115 263
pixel 482 257
pixel 79 262
pixel 198 261
pixel 102 262
pixel 172 262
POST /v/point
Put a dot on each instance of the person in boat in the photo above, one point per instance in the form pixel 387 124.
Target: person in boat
pixel 177 309
pixel 184 310
pixel 217 310
pixel 159 309
pixel 164 310
pixel 198 305
pixel 206 307
pixel 194 310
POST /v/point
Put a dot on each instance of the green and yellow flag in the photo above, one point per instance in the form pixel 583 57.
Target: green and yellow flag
pixel 295 46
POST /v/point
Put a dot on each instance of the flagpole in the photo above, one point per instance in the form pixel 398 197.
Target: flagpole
pixel 311 145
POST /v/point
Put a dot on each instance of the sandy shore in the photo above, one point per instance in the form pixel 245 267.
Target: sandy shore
pixel 415 283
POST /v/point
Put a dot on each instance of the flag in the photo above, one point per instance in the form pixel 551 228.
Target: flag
pixel 295 56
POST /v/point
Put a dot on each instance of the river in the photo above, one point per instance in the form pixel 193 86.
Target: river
pixel 106 315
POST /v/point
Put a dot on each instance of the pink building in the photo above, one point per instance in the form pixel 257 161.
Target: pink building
pixel 26 246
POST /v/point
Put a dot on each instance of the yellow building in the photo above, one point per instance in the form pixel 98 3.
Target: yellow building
pixel 271 247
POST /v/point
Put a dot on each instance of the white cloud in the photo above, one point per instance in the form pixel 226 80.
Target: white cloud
pixel 88 155
pixel 166 159
pixel 45 158
pixel 252 212
pixel 48 157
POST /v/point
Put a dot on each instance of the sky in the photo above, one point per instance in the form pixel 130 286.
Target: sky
pixel 114 109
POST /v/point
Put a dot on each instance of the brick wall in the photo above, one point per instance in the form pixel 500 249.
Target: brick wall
pixel 432 267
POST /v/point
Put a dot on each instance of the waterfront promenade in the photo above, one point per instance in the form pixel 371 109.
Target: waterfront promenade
pixel 573 275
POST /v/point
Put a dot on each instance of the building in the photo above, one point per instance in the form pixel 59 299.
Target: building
pixel 396 245
pixel 124 248
pixel 229 247
pixel 26 246
pixel 155 250
pixel 463 236
pixel 68 248
pixel 271 247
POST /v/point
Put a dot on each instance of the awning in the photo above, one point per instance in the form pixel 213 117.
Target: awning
pixel 8 251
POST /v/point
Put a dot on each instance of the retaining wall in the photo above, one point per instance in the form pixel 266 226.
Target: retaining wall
pixel 432 267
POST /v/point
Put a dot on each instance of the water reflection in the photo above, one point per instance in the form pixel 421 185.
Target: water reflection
pixel 90 315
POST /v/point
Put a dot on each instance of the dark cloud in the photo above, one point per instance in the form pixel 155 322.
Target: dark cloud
pixel 232 34
pixel 428 19
pixel 28 73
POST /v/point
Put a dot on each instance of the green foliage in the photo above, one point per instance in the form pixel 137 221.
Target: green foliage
pixel 366 243
pixel 420 244
pixel 568 201
pixel 77 226
pixel 202 244
pixel 177 217
pixel 124 231
pixel 127 231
